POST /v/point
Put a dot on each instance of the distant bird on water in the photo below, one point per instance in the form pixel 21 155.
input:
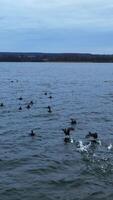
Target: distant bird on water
pixel 20 98
pixel 67 138
pixel 1 104
pixel 20 108
pixel 31 103
pixel 50 97
pixel 45 93
pixel 92 135
pixel 32 133
pixel 73 121
pixel 28 106
pixel 49 109
pixel 67 130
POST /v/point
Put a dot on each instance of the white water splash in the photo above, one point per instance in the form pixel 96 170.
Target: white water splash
pixel 82 147
pixel 109 147
pixel 71 140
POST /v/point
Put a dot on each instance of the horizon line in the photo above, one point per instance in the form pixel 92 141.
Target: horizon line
pixel 37 52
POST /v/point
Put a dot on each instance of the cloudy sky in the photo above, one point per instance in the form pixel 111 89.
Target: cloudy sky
pixel 56 26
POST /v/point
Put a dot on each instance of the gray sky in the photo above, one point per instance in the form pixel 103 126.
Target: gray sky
pixel 56 25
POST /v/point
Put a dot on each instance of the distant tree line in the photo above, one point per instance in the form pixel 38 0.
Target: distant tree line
pixel 54 57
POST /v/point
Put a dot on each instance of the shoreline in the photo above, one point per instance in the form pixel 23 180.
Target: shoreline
pixel 55 57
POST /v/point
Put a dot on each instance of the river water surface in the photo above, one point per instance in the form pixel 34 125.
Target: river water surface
pixel 43 167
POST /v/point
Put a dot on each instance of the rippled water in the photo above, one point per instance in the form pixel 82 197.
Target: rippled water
pixel 43 167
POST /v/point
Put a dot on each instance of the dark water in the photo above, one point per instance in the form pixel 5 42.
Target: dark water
pixel 43 167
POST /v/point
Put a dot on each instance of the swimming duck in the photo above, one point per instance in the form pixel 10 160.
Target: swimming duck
pixel 49 109
pixel 1 104
pixel 20 98
pixel 28 106
pixel 31 103
pixel 67 130
pixel 73 121
pixel 92 135
pixel 20 108
pixel 50 97
pixel 68 138
pixel 32 133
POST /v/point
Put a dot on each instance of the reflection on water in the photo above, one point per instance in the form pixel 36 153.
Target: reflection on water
pixel 43 166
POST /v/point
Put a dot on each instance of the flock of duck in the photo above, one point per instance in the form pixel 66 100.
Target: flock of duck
pixel 66 131
pixel 92 137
